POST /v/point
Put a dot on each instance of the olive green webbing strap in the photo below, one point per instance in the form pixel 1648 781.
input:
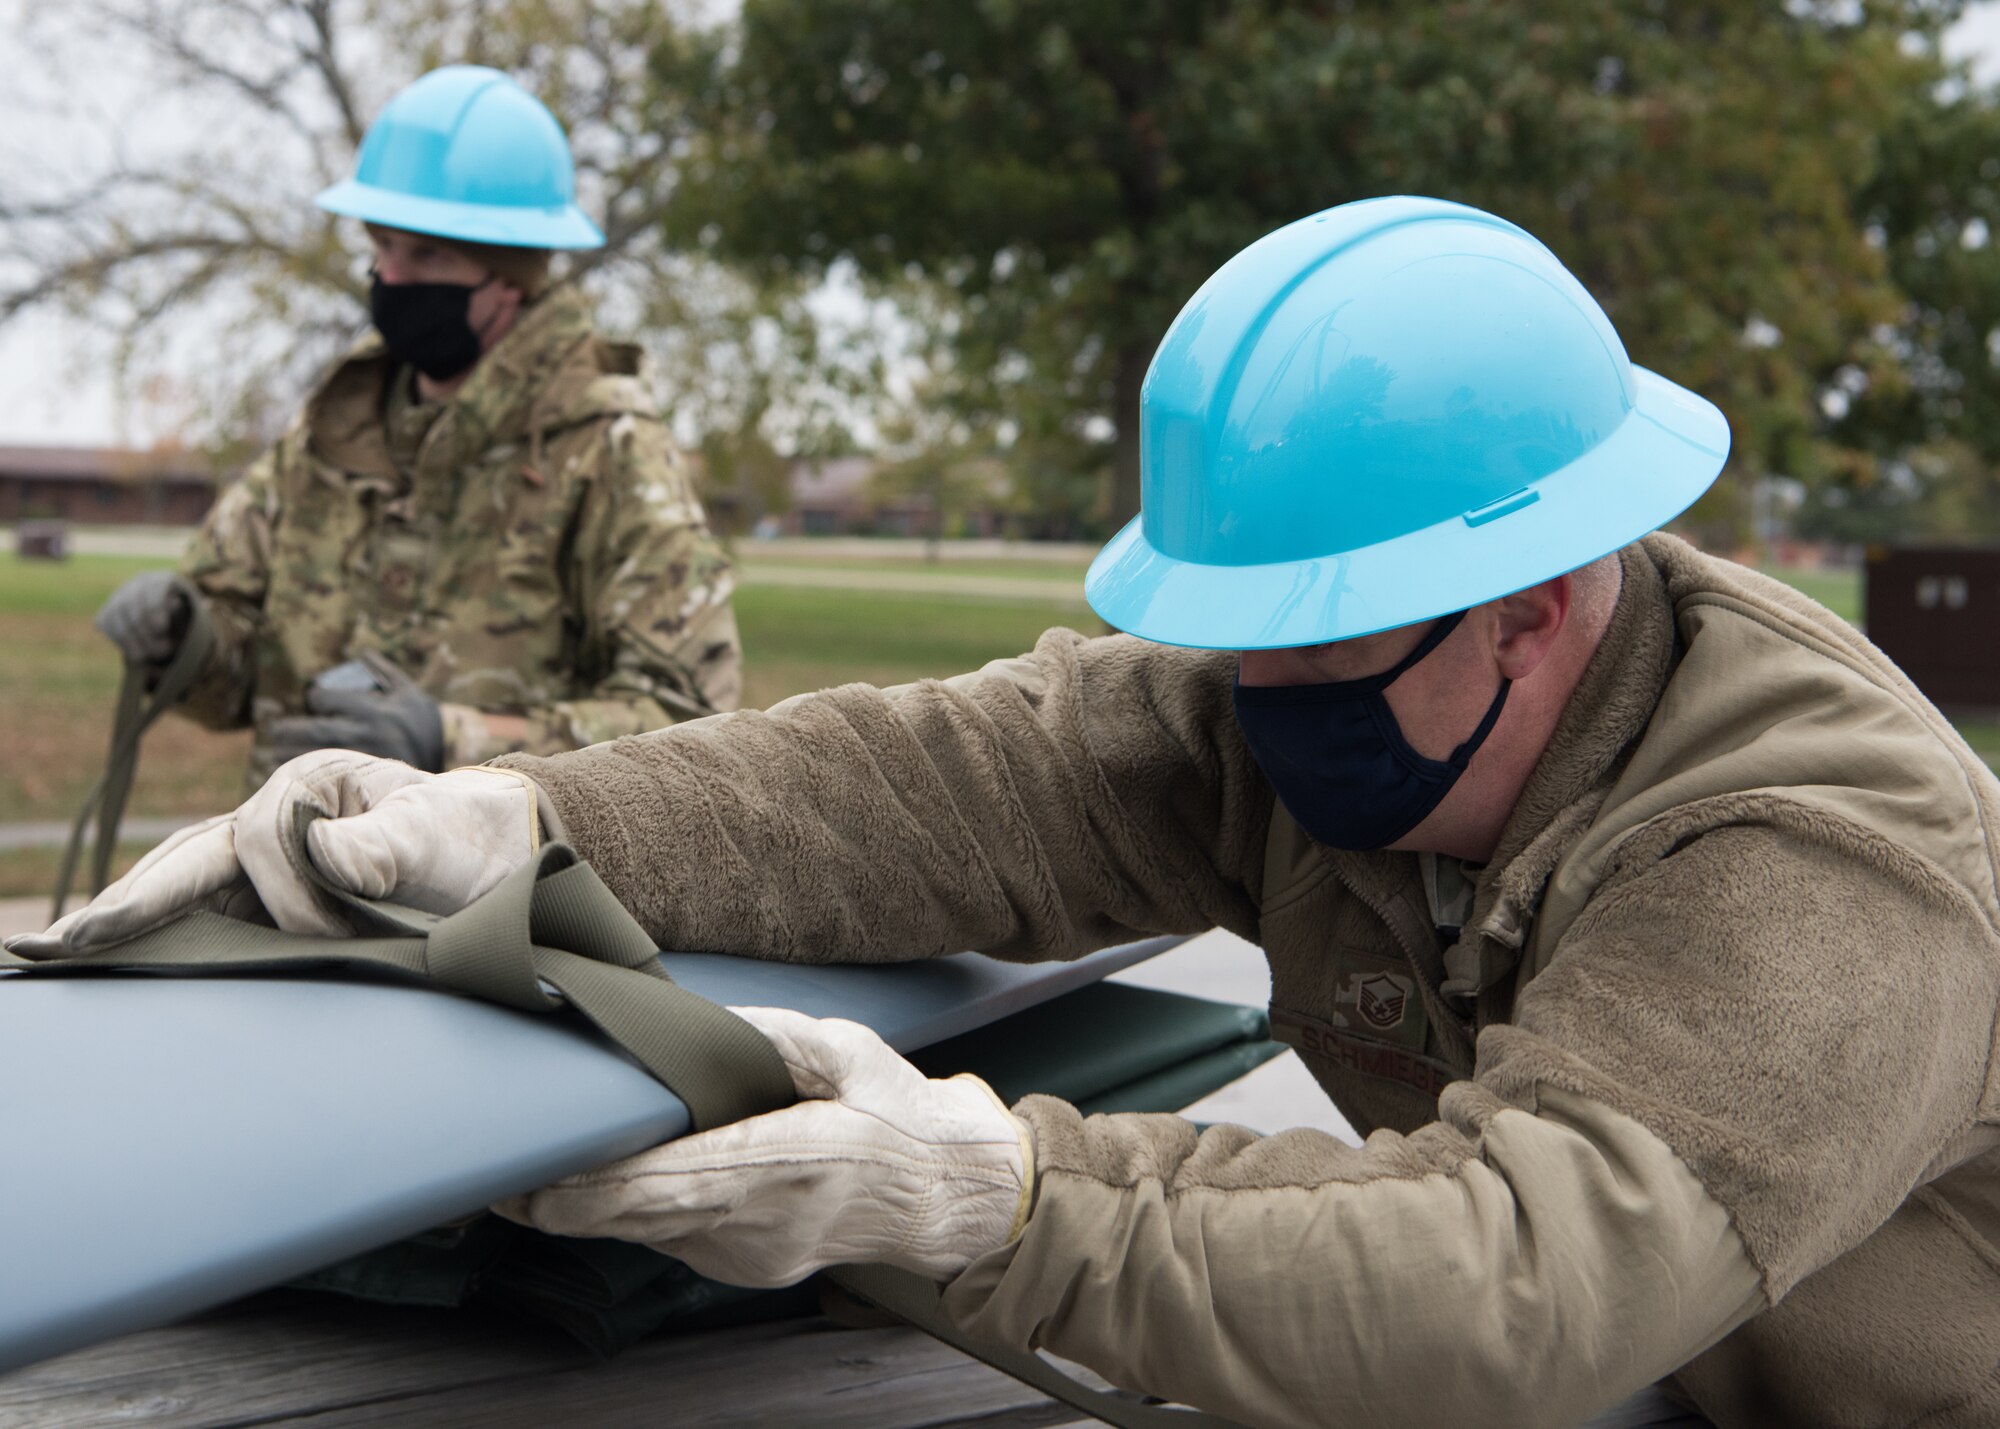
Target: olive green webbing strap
pixel 554 921
pixel 138 708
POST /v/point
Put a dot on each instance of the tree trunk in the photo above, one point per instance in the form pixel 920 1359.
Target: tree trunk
pixel 1133 359
pixel 934 544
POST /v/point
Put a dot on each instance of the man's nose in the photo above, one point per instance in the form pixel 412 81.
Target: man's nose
pixel 392 269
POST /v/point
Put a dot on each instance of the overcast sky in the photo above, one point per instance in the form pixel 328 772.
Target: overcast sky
pixel 52 373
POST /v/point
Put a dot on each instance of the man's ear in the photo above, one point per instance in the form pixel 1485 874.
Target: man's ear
pixel 506 297
pixel 1527 623
pixel 500 299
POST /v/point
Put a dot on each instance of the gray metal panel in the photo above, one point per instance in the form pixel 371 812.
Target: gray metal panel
pixel 169 1143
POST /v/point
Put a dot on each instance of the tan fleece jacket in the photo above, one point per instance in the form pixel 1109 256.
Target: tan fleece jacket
pixel 1704 1087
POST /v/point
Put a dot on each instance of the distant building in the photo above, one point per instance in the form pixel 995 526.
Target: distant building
pixel 839 497
pixel 104 486
pixel 830 498
pixel 111 486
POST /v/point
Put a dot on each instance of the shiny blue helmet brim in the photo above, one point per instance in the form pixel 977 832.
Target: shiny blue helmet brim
pixel 1662 457
pixel 563 226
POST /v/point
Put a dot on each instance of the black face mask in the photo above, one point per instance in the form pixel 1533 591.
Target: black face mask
pixel 425 324
pixel 1338 759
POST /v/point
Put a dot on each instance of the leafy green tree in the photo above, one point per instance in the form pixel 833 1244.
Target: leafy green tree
pixel 1924 444
pixel 1056 177
pixel 835 219
pixel 745 476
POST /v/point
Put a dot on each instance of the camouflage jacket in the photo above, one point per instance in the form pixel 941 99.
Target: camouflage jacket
pixel 531 545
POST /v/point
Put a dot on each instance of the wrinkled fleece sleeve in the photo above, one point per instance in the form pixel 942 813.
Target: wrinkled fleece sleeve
pixel 1740 1060
pixel 651 588
pixel 229 562
pixel 1043 807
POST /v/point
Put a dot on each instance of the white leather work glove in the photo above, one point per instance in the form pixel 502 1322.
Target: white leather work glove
pixel 881 1164
pixel 429 841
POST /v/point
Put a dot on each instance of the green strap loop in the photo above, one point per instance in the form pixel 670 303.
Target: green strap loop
pixel 136 713
pixel 596 957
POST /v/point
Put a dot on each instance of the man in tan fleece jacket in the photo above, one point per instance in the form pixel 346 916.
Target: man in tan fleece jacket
pixel 1643 914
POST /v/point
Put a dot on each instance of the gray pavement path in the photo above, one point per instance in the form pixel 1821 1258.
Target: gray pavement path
pixel 774 563
pixel 170 541
pixel 23 915
pixel 54 835
pixel 161 541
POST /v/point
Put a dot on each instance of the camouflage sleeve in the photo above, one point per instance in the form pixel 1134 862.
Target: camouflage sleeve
pixel 653 585
pixel 229 562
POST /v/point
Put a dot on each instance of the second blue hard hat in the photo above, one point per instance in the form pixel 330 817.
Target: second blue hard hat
pixel 466 152
pixel 1380 414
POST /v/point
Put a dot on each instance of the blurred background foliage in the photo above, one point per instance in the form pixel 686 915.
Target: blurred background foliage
pixel 952 234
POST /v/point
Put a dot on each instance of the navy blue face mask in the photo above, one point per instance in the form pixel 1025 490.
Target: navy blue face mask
pixel 1338 759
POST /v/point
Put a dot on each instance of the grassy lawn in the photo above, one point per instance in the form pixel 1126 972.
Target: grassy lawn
pixel 1984 737
pixel 984 568
pixel 1838 591
pixel 58 676
pixel 73 587
pixel 800 638
pixel 57 684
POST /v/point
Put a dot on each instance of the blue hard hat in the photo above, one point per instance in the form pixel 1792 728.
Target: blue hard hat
pixel 1380 414
pixel 465 152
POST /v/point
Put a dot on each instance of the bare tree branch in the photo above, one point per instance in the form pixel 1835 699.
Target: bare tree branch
pixel 214 246
pixel 169 38
pixel 323 56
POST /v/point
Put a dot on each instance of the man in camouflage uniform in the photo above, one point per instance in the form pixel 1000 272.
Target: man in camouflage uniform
pixel 514 548
pixel 530 547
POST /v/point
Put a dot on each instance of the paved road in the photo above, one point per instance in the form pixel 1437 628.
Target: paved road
pixel 165 542
pixel 778 563
pixel 23 915
pixel 169 541
pixel 53 835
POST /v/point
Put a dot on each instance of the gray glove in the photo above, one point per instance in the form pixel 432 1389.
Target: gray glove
pixel 148 616
pixel 392 719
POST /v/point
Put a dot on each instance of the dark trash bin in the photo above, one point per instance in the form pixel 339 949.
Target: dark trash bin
pixel 42 540
pixel 1935 611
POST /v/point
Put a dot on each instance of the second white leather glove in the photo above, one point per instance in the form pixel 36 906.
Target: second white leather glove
pixel 881 1163
pixel 429 841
